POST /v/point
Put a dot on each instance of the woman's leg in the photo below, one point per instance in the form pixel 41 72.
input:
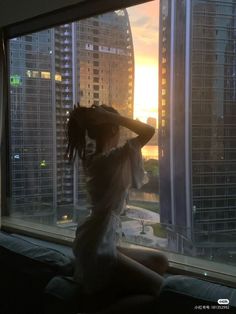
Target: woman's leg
pixel 135 286
pixel 131 277
pixel 150 258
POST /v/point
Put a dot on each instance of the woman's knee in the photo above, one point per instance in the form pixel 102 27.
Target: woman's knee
pixel 161 261
pixel 157 262
pixel 151 258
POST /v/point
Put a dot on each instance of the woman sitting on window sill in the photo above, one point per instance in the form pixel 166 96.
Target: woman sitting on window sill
pixel 102 268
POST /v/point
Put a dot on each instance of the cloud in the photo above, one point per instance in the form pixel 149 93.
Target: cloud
pixel 145 14
pixel 141 21
pixel 145 32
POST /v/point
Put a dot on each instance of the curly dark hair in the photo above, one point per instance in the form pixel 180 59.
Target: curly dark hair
pixel 77 128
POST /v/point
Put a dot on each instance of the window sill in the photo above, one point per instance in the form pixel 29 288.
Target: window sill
pixel 40 231
pixel 199 268
pixel 179 264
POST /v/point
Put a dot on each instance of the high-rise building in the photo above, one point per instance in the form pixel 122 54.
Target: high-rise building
pixel 87 62
pixel 31 126
pixel 197 125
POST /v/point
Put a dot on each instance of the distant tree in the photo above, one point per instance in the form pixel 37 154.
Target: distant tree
pixel 151 166
pixel 142 222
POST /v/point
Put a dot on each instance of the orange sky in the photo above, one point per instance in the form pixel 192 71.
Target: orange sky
pixel 144 26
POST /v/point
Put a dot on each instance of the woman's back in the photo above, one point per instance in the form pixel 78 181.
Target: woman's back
pixel 111 171
pixel 109 176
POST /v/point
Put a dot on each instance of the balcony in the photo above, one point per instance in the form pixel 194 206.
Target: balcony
pixel 66 66
pixel 66 74
pixel 67 57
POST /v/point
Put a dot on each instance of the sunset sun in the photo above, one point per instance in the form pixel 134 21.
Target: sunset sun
pixel 146 92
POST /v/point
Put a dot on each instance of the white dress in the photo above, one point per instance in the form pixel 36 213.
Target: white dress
pixel 109 177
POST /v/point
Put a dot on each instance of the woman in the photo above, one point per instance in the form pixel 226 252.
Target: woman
pixel 111 171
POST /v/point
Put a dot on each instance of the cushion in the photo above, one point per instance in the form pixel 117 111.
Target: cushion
pixel 25 270
pixel 20 253
pixel 194 294
pixel 64 295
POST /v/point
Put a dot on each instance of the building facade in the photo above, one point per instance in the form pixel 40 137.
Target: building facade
pixel 31 127
pixel 197 126
pixel 87 62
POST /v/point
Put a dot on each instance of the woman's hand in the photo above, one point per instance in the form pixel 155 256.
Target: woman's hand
pixel 94 115
pixel 97 115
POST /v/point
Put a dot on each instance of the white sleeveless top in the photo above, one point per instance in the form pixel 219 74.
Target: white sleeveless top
pixel 109 177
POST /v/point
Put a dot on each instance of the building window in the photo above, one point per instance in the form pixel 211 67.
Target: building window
pixel 58 77
pixel 45 75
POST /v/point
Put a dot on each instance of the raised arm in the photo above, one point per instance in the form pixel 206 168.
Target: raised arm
pixel 98 115
pixel 144 131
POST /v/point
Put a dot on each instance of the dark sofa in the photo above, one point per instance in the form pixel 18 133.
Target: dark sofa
pixel 25 270
pixel 36 278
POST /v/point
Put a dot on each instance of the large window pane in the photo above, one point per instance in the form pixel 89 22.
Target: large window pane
pixel 107 59
pixel 187 203
pixel 197 129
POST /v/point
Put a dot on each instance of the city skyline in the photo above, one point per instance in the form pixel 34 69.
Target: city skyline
pixel 90 62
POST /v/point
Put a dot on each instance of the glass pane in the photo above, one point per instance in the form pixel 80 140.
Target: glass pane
pixel 107 59
pixel 197 139
pixel 187 202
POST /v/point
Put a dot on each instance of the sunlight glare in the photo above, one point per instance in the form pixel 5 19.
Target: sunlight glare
pixel 146 92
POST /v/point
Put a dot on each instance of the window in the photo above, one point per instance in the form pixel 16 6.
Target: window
pixel 40 104
pixel 58 77
pixel 42 87
pixel 45 75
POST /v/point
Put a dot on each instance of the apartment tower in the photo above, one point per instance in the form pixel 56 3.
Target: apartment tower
pixel 197 133
pixel 88 62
